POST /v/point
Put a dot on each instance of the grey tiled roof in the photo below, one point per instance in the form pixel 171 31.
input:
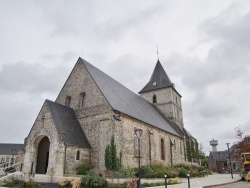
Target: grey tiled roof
pixel 125 101
pixel 158 80
pixel 188 133
pixel 65 121
pixel 7 149
pixel 220 155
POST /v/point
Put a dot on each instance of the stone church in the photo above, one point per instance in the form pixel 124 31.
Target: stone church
pixel 91 108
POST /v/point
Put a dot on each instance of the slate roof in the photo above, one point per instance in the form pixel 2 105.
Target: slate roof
pixel 6 149
pixel 158 80
pixel 65 121
pixel 125 101
pixel 188 133
pixel 220 155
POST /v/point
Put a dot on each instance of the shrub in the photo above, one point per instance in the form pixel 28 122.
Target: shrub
pixel 147 172
pixel 172 172
pixel 129 172
pixel 159 170
pixel 118 174
pixel 63 182
pixel 106 174
pixel 117 185
pixel 158 184
pixel 185 166
pixel 173 181
pixel 194 173
pixel 93 181
pixel 76 183
pixel 182 172
pixel 30 183
pixel 10 170
pixel 83 169
pixel 8 182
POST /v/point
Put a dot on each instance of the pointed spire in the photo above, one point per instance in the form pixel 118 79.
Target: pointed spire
pixel 158 80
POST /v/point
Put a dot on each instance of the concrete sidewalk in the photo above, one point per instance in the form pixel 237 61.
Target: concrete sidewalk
pixel 215 179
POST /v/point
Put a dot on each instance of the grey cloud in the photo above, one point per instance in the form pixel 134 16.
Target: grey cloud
pixel 235 33
pixel 105 23
pixel 227 61
pixel 125 70
pixel 30 78
pixel 216 109
pixel 17 114
pixel 245 127
pixel 233 43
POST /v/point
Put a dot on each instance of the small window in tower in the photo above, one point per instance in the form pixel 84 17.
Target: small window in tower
pixel 162 150
pixel 154 99
pixel 43 120
pixel 176 99
pixel 77 155
pixel 68 99
pixel 180 148
pixel 82 99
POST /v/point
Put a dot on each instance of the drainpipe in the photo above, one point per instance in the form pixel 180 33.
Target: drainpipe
pixel 149 146
pixel 171 153
pixel 64 165
pixel 184 146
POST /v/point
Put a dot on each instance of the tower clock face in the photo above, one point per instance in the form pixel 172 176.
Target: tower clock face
pixel 154 83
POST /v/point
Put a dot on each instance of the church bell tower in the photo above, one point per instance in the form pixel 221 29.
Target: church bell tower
pixel 160 91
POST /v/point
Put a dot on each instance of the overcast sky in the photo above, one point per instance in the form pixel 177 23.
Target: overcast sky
pixel 204 46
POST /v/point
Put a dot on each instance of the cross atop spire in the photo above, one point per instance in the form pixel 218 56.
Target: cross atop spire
pixel 157 51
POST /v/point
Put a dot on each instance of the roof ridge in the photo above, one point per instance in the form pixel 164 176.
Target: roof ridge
pixel 126 101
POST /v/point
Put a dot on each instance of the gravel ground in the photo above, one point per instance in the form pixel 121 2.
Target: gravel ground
pixel 240 184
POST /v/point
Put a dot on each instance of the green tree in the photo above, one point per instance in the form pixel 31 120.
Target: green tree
pixel 112 161
pixel 202 156
pixel 204 161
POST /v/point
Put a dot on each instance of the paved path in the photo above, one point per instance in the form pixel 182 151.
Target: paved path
pixel 215 179
pixel 239 184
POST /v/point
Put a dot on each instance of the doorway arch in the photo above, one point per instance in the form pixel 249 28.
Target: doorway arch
pixel 43 156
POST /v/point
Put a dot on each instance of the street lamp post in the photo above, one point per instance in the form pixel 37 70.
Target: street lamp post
pixel 220 164
pixel 138 133
pixel 188 180
pixel 166 182
pixel 230 160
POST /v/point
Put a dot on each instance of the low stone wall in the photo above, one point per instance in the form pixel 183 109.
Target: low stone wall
pixel 15 175
pixel 43 178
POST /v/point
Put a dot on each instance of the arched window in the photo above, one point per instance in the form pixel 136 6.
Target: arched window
pixel 154 99
pixel 82 99
pixel 137 142
pixel 162 150
pixel 68 100
pixel 77 155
